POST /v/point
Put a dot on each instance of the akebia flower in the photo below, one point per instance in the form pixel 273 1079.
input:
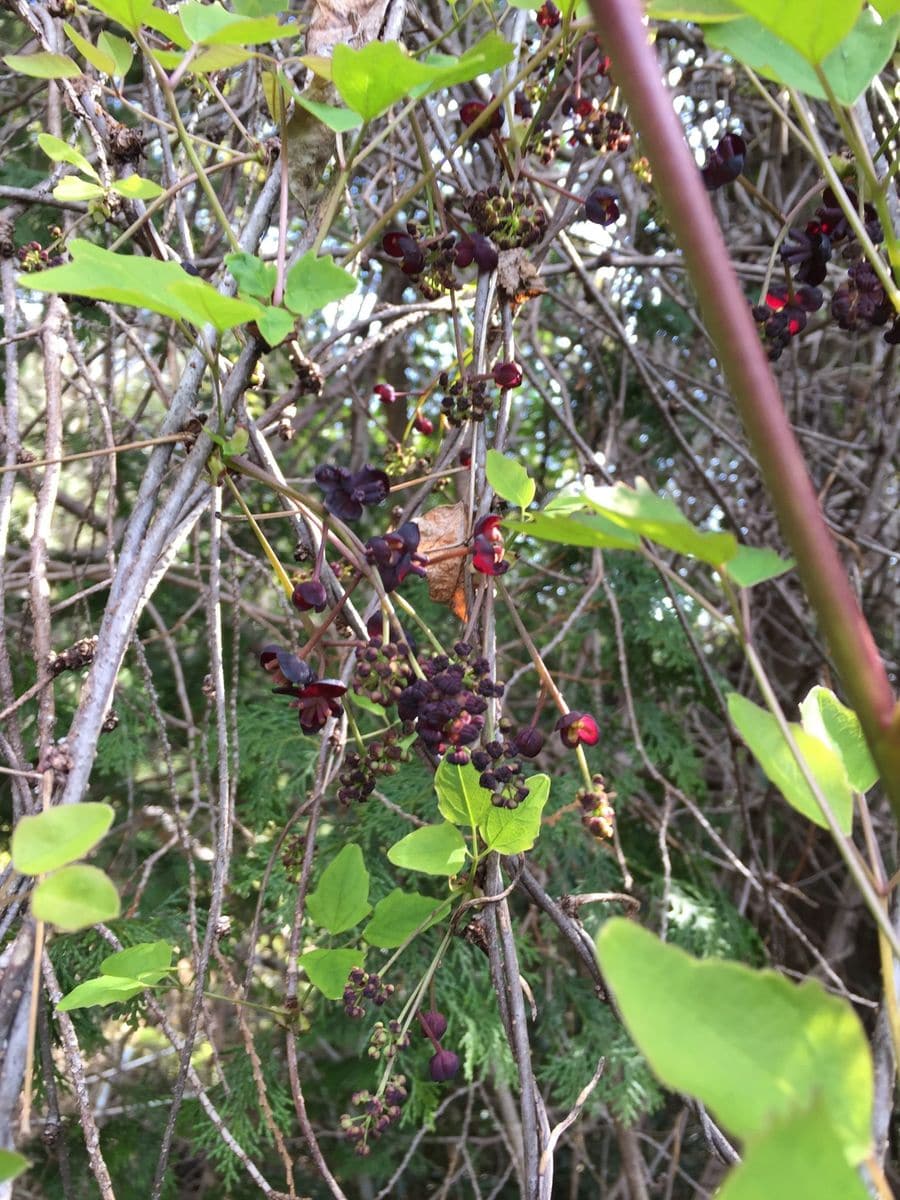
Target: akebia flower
pixel 473 109
pixel 443 1066
pixel 310 596
pixel 395 555
pixel 475 247
pixel 577 728
pixel 405 247
pixel 602 206
pixel 725 162
pixel 808 251
pixel 433 1023
pixel 385 393
pixel 316 699
pixel 285 668
pixel 347 493
pixel 507 375
pixel 783 316
pixel 423 424
pixel 487 546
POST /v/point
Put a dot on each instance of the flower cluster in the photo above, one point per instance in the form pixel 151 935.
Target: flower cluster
pixel 361 988
pixel 443 1064
pixel 315 699
pixel 359 773
pixel 382 670
pixel 725 162
pixel 597 815
pixel 860 299
pixel 782 315
pixel 379 1113
pixel 429 261
pixel 386 1040
pixel 597 126
pixel 507 219
pixel 465 399
pixel 500 773
pixel 446 708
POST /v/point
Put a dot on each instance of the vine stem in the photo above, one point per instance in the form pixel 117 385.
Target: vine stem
pixel 733 333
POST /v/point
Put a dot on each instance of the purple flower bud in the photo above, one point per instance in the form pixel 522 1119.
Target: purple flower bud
pixel 443 1066
pixel 507 374
pixel 310 596
pixel 434 1024
pixel 529 742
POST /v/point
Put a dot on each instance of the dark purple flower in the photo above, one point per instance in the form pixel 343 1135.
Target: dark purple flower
pixel 548 15
pixel 487 546
pixel 385 393
pixel 529 742
pixel 347 493
pixel 861 299
pixel 783 316
pixel 602 206
pixel 395 555
pixel 725 163
pixel 434 1024
pixel 576 728
pixel 310 596
pixel 475 247
pixel 404 246
pixel 317 702
pixel 443 1066
pixel 423 424
pixel 285 668
pixel 507 375
pixel 473 109
pixel 833 222
pixel 809 251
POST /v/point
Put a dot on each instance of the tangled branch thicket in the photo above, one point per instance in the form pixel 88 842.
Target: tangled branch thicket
pixel 137 600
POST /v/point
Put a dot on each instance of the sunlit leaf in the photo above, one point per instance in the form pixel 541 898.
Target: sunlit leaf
pixel 73 898
pixel 57 836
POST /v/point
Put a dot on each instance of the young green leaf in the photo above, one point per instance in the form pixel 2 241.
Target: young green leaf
pixel 341 120
pixel 328 969
pixel 761 732
pixel 814 27
pixel 509 479
pixel 74 898
pixel 514 830
pixel 213 25
pixel 753 1047
pixel 254 277
pixel 135 187
pixel 130 14
pixel 107 989
pixel 57 836
pixel 575 530
pixel 314 282
pixel 461 798
pixel 432 849
pixel 104 62
pixel 163 287
pixel 399 915
pixel 275 324
pixel 43 65
pixel 59 151
pixel 753 565
pixel 140 961
pixel 71 187
pixel 12 1164
pixel 342 898
pixel 823 716
pixel 657 518
pixel 118 50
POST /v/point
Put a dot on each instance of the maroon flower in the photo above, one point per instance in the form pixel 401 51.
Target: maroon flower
pixel 284 667
pixel 576 728
pixel 310 596
pixel 602 206
pixel 833 222
pixel 395 555
pixel 385 393
pixel 725 163
pixel 443 1066
pixel 347 493
pixel 434 1024
pixel 475 247
pixel 507 375
pixel 529 742
pixel 809 251
pixel 317 702
pixel 473 109
pixel 487 546
pixel 783 316
pixel 548 15
pixel 405 247
pixel 423 424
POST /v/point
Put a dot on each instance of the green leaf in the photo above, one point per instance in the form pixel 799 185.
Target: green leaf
pixel 12 1164
pixel 254 277
pixel 135 187
pixel 98 58
pixel 342 898
pixel 328 969
pixel 761 732
pixel 259 8
pixel 43 65
pixel 399 915
pixel 699 11
pixel 514 830
pixel 887 8
pixel 797 1157
pixel 371 79
pixel 814 27
pixel 849 69
pixel 575 531
pixel 752 1046
pixel 432 849
pixel 275 324
pixel 755 565
pixel 215 26
pixel 118 50
pixel 59 151
pixel 57 836
pixel 509 479
pixel 163 287
pixel 461 798
pixel 642 511
pixel 314 282
pixel 71 187
pixel 341 120
pixel 823 716
pixel 75 897
pixel 140 961
pixel 130 14
pixel 108 989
